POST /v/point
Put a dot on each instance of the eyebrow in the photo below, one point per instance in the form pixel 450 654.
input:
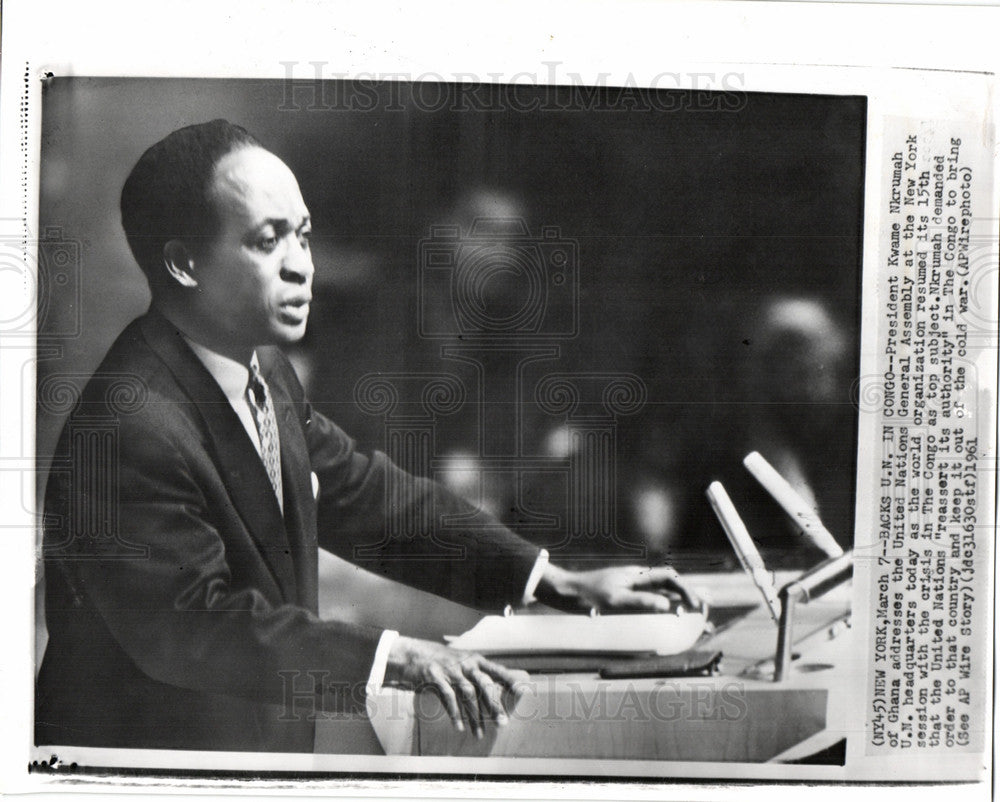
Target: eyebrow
pixel 282 224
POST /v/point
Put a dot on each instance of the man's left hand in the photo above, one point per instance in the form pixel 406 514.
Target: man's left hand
pixel 625 588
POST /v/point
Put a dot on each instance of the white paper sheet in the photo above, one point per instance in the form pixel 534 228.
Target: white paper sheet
pixel 665 633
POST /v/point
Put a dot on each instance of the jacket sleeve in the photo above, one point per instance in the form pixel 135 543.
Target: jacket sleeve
pixel 158 575
pixel 408 528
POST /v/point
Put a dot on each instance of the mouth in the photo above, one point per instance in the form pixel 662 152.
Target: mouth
pixel 295 310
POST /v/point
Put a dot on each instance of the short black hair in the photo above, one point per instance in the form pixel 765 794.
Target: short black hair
pixel 165 196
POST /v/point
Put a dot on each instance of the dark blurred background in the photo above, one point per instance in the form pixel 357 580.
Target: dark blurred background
pixel 718 251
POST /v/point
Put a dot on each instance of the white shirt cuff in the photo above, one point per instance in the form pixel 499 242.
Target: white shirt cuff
pixel 541 562
pixel 377 675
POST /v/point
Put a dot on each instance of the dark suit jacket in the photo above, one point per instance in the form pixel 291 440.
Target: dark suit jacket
pixel 181 609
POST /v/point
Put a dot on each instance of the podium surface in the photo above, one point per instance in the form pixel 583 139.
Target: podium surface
pixel 739 715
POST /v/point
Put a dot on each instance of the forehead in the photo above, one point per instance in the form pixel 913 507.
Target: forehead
pixel 251 185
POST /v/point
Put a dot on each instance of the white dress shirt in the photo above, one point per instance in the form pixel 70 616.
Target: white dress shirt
pixel 233 378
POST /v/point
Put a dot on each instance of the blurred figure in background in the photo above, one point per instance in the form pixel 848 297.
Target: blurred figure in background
pixel 795 371
pixel 483 218
pixel 788 397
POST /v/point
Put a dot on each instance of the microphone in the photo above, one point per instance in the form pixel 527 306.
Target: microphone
pixel 744 546
pixel 797 508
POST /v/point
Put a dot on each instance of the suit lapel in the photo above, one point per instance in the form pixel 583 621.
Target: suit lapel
pixel 238 462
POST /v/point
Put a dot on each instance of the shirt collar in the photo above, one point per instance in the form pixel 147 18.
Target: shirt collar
pixel 231 376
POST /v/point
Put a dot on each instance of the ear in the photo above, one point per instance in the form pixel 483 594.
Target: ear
pixel 179 263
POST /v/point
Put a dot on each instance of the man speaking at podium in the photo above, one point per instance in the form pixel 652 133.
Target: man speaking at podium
pixel 181 563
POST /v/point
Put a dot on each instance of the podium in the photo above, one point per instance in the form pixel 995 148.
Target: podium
pixel 740 715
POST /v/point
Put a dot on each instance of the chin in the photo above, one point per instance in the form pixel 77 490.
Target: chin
pixel 284 329
pixel 288 336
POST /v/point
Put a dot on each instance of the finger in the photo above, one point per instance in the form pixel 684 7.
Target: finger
pixel 512 679
pixel 515 681
pixel 469 697
pixel 489 693
pixel 439 681
pixel 655 577
pixel 692 598
pixel 643 600
pixel 665 576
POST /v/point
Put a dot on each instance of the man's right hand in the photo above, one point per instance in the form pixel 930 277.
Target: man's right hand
pixel 470 686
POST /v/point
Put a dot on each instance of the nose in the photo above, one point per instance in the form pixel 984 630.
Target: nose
pixel 297 266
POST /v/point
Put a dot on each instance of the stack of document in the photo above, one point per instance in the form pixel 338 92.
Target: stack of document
pixel 640 633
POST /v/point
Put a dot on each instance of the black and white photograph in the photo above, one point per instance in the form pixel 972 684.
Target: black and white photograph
pixel 455 426
pixel 488 342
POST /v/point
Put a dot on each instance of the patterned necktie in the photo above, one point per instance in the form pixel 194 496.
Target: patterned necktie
pixel 267 427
